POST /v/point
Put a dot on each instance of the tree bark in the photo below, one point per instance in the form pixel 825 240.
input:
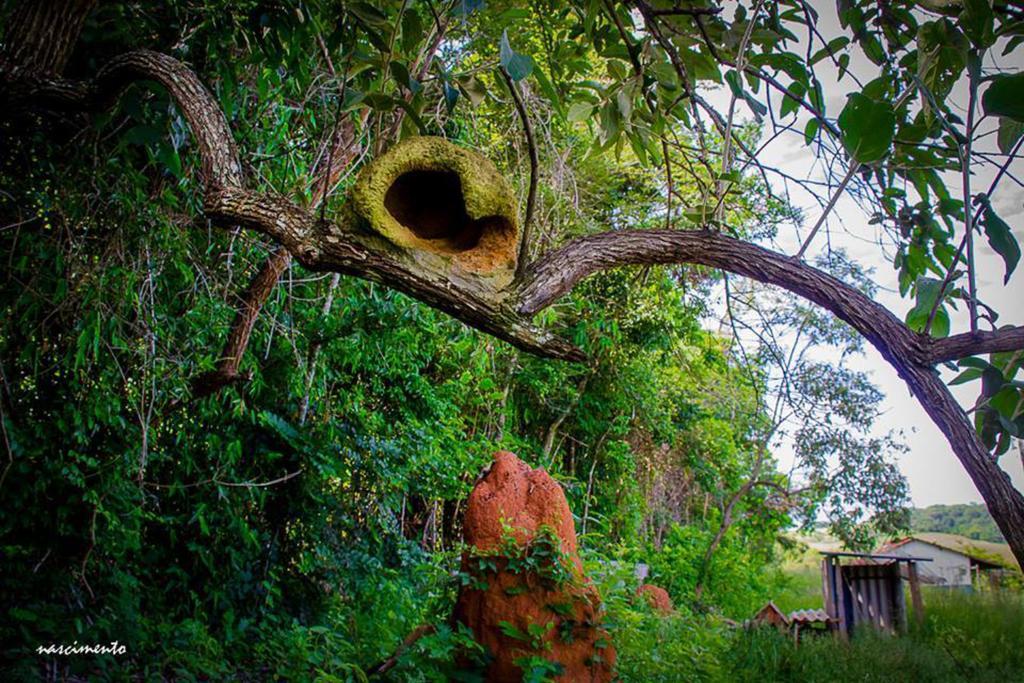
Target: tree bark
pixel 250 304
pixel 336 154
pixel 348 249
pixel 41 34
pixel 960 346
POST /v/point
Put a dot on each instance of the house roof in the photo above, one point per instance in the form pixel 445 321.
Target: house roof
pixel 990 555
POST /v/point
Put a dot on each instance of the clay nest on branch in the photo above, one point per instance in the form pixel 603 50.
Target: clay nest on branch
pixel 447 207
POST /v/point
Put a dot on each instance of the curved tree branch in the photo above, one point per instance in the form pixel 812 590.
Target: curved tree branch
pixel 911 354
pixel 340 148
pixel 347 248
pixel 221 166
pixel 249 305
pixel 554 274
pixel 973 343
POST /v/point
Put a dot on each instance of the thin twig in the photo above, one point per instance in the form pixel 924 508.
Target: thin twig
pixel 854 167
pixel 524 244
pixel 741 63
pixel 965 168
pixel 684 11
pixel 668 180
pixel 262 484
pixel 963 243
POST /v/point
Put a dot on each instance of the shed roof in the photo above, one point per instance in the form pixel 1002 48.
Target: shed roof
pixel 952 543
pixel 874 557
pixel 809 616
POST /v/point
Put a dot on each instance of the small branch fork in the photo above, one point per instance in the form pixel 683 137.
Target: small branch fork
pixel 324 246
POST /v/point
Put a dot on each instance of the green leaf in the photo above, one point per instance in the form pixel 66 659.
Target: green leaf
pixel 868 128
pixel 788 62
pixel 833 47
pixel 941 56
pixel 22 614
pixel 791 100
pixel 548 88
pixel 992 381
pixel 927 292
pixel 518 66
pixel 1005 97
pixel 1006 401
pixel 873 49
pixel 401 74
pixel 733 79
pixel 369 14
pixel 811 131
pixel 624 103
pixel 1002 241
pixel 609 119
pixel 451 96
pixel 940 323
pixel 511 631
pixel 973 362
pixel 1009 132
pixel 968 375
pixel 580 111
pixel 412 31
pixel 978 22
pixel 169 157
pixel 473 88
pixel 756 107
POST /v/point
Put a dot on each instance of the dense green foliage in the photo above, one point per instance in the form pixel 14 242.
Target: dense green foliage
pixel 299 524
pixel 971 520
pixel 235 533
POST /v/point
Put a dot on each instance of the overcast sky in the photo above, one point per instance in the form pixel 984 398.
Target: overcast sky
pixel 934 474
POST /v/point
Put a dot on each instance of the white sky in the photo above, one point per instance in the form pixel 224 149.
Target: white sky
pixel 933 472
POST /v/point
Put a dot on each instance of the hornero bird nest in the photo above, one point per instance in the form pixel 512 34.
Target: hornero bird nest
pixel 447 208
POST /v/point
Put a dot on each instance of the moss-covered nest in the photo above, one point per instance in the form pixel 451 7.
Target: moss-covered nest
pixel 426 194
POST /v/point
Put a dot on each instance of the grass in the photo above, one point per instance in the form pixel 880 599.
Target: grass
pixel 965 637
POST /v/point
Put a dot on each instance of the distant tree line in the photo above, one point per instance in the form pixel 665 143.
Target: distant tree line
pixel 971 520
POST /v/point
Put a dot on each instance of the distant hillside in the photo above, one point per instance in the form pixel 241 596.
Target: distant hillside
pixel 972 521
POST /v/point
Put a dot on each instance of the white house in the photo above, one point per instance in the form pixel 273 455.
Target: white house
pixel 949 566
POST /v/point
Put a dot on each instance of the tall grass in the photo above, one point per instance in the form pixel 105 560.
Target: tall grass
pixel 965 637
pixel 983 633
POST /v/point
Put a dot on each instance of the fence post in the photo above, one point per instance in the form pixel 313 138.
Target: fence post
pixel 915 592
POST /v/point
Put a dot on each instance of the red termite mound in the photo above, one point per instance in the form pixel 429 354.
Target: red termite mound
pixel 522 599
pixel 657 597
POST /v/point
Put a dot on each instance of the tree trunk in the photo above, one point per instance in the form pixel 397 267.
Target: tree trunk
pixel 41 34
pixel 723 527
pixel 727 512
pixel 250 304
pixel 1005 503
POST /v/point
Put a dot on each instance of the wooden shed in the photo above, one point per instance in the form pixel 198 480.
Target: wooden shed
pixel 867 590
